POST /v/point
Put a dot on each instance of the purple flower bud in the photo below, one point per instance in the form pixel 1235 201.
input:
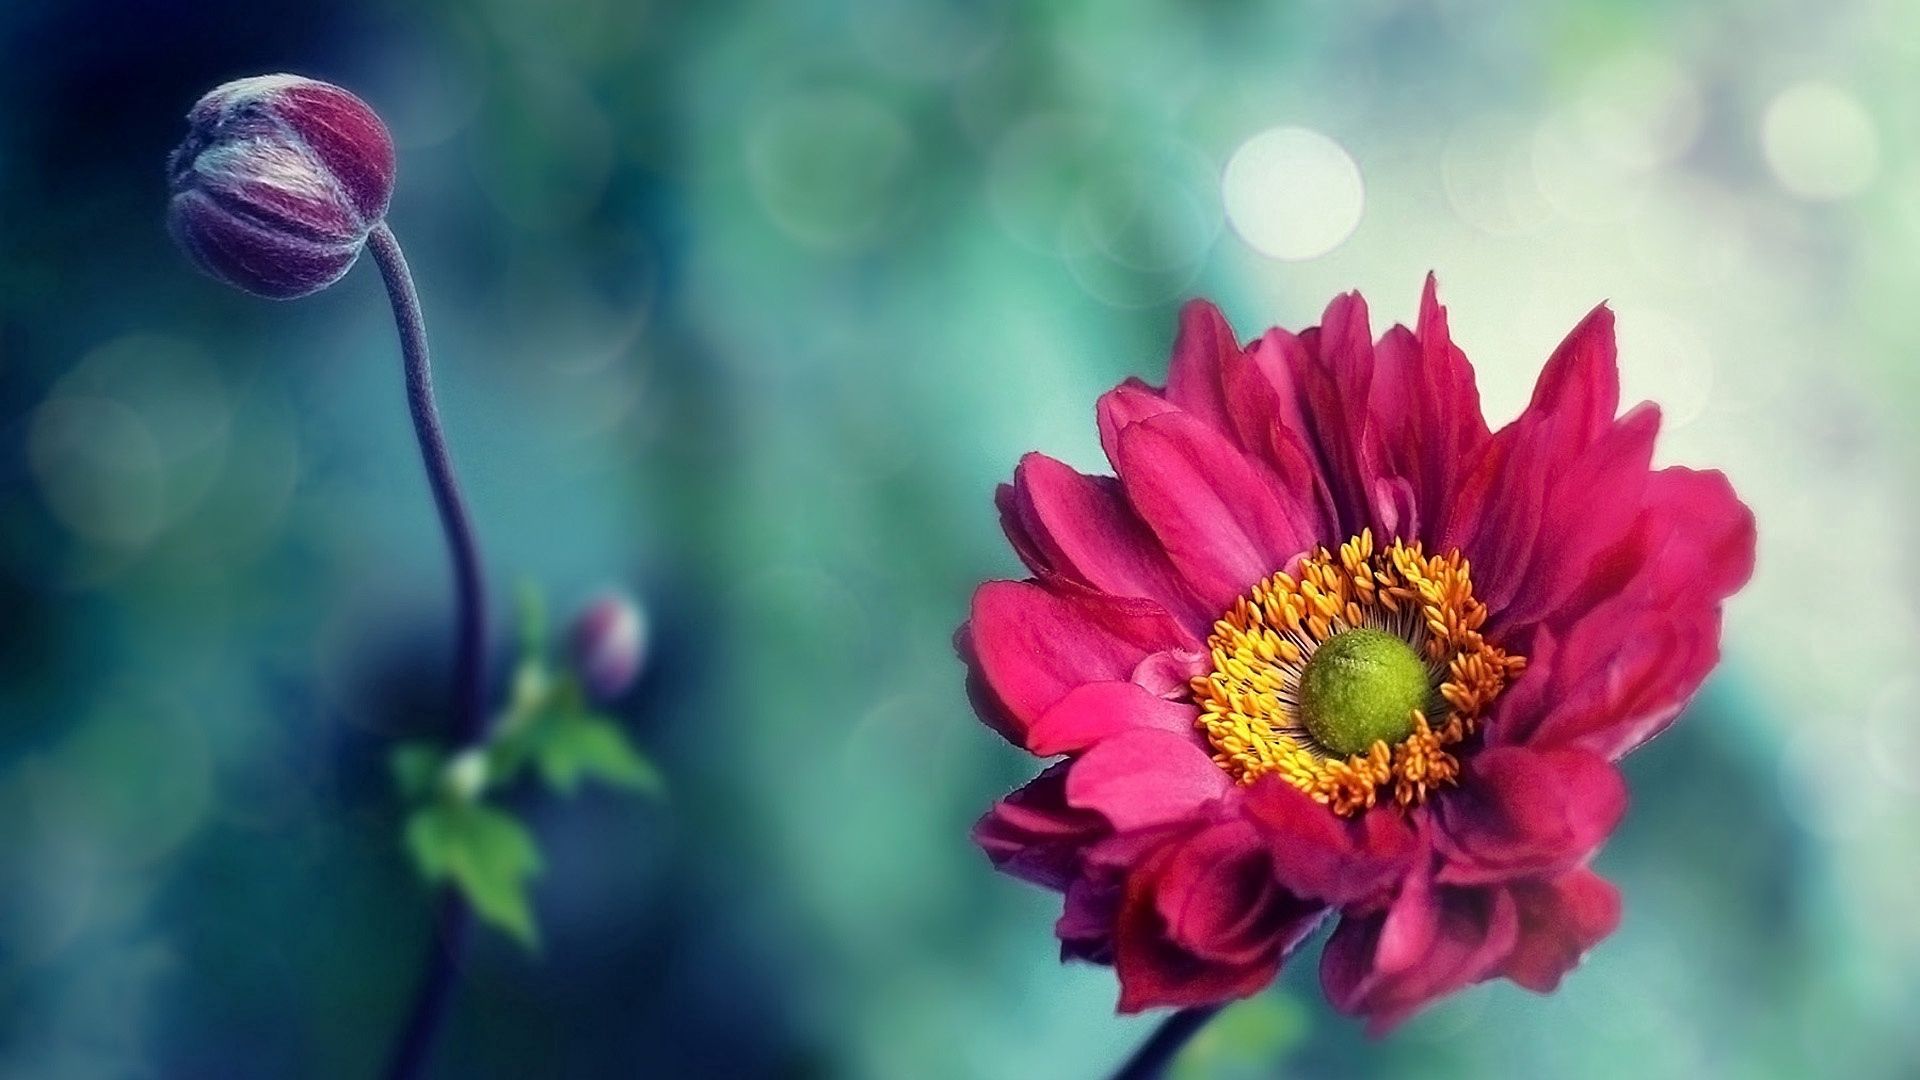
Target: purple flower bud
pixel 609 641
pixel 278 183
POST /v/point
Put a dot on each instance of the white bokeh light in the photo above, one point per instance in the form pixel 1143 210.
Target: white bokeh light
pixel 1293 193
pixel 1820 142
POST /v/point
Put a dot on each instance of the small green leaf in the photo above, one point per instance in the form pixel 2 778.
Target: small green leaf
pixel 486 854
pixel 573 746
pixel 416 768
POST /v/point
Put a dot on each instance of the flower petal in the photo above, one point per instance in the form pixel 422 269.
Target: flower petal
pixel 1335 386
pixel 1412 920
pixel 1709 551
pixel 1202 924
pixel 1525 480
pixel 1526 813
pixel 1221 518
pixel 1559 921
pixel 1033 645
pixel 1473 932
pixel 1578 391
pixel 1588 505
pixel 1424 417
pixel 1322 856
pixel 1204 344
pixel 1101 710
pixel 1218 900
pixel 1080 527
pixel 1635 642
pixel 1124 406
pixel 1145 777
pixel 1034 835
pixel 1264 406
pixel 1093 900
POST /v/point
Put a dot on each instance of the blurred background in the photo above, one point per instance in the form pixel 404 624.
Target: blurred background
pixel 748 307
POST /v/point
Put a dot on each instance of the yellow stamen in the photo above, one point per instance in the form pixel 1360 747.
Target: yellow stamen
pixel 1250 701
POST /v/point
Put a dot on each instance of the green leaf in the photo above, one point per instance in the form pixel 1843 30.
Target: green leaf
pixel 416 769
pixel 486 854
pixel 572 746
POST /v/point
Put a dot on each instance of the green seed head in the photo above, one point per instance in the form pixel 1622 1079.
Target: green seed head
pixel 1361 687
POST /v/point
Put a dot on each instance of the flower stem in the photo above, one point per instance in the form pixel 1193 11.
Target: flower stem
pixel 1158 1052
pixel 434 996
pixel 469 665
pixel 452 919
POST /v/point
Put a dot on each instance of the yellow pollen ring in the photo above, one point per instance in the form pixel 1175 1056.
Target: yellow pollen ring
pixel 1250 701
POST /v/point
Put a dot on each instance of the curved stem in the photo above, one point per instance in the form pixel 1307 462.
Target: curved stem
pixel 1154 1055
pixel 433 998
pixel 469 666
pixel 453 920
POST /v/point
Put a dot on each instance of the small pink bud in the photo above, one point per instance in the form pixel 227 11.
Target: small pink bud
pixel 278 183
pixel 609 642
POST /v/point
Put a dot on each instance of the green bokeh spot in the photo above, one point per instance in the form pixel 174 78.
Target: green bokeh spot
pixel 1360 687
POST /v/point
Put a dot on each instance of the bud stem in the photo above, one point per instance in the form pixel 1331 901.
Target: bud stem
pixel 469 666
pixel 452 920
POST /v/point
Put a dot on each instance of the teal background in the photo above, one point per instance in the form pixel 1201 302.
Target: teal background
pixel 748 307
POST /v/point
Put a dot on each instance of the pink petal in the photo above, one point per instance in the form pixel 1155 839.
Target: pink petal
pixel 1642 633
pixel 1474 931
pixel 1142 778
pixel 1101 710
pixel 1220 517
pixel 1589 505
pixel 1124 406
pixel 1081 527
pixel 1092 910
pixel 1280 360
pixel 1336 386
pixel 1322 856
pixel 1265 409
pixel 1578 391
pixel 1559 921
pixel 1710 551
pixel 986 704
pixel 1242 931
pixel 1168 674
pixel 1526 813
pixel 1613 695
pixel 1524 493
pixel 1424 414
pixel 1217 898
pixel 1407 931
pixel 1034 835
pixel 1205 342
pixel 1033 644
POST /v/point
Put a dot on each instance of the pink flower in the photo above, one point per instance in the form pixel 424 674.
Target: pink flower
pixel 1327 645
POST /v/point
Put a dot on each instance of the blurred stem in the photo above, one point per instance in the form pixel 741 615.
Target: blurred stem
pixel 452 920
pixel 1158 1052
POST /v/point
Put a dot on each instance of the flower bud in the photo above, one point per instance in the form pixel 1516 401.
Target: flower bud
pixel 278 183
pixel 608 644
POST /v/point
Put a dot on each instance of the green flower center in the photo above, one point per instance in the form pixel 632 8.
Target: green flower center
pixel 1362 687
